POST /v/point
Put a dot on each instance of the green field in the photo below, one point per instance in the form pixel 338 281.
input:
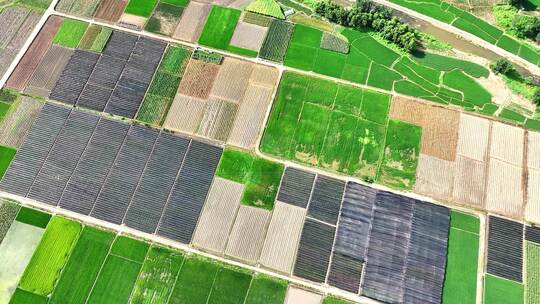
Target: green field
pixel 429 76
pixel 260 177
pixel 24 297
pixel 163 88
pixel 194 281
pixel 115 281
pixel 50 256
pixel 83 266
pixel 158 275
pixel 276 42
pixel 462 260
pixel 219 27
pixel 502 291
pixel 70 33
pixel 131 249
pixel 340 128
pixel 4 110
pixel 141 8
pixel 6 156
pixel 266 290
pixel 335 300
pixel 532 283
pixel 33 217
pixel 230 286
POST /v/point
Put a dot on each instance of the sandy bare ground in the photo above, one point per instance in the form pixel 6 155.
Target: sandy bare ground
pixel 232 80
pixel 439 126
pixel 504 193
pixel 469 182
pixel 532 209
pixel 185 114
pixel 250 116
pixel 247 236
pixel 239 4
pixel 474 135
pixel 507 143
pixel 279 250
pixel 264 76
pixel 192 22
pixel 136 21
pixel 218 215
pixel 533 147
pixel 434 177
pixel 300 296
pixel 198 79
pixel 249 36
pixel 110 10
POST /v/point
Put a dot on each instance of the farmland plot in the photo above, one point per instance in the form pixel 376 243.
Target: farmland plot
pixel 48 71
pixel 297 295
pixel 505 249
pixel 276 42
pixel 110 10
pixel 84 8
pixel 15 255
pixel 434 177
pixel 249 36
pixel 266 290
pixel 194 281
pixel 248 233
pixel 219 27
pixel 232 79
pixel 507 143
pixel 230 286
pixel 504 192
pixel 8 212
pixel 469 181
pixel 198 79
pixel 51 256
pixel 532 290
pixel 532 208
pixel 164 19
pixel 185 114
pixel 474 133
pixel 192 22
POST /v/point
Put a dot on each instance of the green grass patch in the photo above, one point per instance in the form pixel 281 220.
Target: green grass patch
pixel 101 40
pixel 502 291
pixel 130 248
pixel 382 77
pixel 115 281
pixel 329 63
pixel 301 57
pixel 39 4
pixel 260 177
pixel 444 63
pixel 532 278
pixel 175 60
pixel 335 300
pixel 462 259
pixel 489 109
pixel 33 217
pixel 24 297
pixel 89 37
pixel 512 116
pixel 266 290
pixel 83 266
pixel 143 8
pixel 532 124
pixel 158 276
pixel 70 33
pixel 472 91
pixel 4 110
pixel 164 84
pixel 176 2
pixel 230 287
pixel 307 36
pixel 401 153
pixel 241 51
pixel 375 106
pixel 50 256
pixel 219 27
pixel 8 96
pixel 266 8
pixel 509 44
pixel 6 156
pixel 154 109
pixel 194 281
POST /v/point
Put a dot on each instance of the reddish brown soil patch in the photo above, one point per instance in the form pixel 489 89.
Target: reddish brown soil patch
pixel 198 79
pixel 110 10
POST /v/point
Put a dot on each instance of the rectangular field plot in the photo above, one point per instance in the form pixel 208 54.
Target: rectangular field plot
pixel 33 217
pixel 219 27
pixel 192 22
pixel 84 8
pixel 345 272
pixel 48 71
pixel 15 127
pixel 158 276
pixel 230 286
pixel 505 249
pixel 532 234
pixel 8 213
pixel 296 186
pixel 307 107
pixel 532 286
pixel 314 250
pixel 50 257
pixel 266 290
pixel 13 265
pixel 462 264
pixel 498 290
pixel 325 199
pixel 194 281
pixel 110 10
pixel 83 266
pixel 248 233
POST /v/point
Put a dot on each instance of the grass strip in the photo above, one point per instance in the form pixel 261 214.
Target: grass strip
pixel 6 156
pixel 70 33
pixel 33 217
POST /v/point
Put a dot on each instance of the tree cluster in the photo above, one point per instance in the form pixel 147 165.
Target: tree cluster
pixel 368 14
pixel 527 27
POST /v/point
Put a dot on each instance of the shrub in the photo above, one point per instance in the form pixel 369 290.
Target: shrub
pixel 334 43
pixel 536 97
pixel 502 66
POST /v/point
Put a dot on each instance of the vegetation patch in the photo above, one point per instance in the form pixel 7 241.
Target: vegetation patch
pixel 6 156
pixel 33 217
pixel 335 300
pixel 164 19
pixel 260 177
pixel 276 42
pixel 101 40
pixel 532 283
pixel 141 8
pixel 266 290
pixel 462 259
pixel 266 8
pixel 50 256
pixel 129 248
pixel 499 291
pixel 257 19
pixel 194 281
pixel 70 33
pixel 115 281
pixel 83 266
pixel 334 42
pixel 8 212
pixel 219 27
pixel 24 297
pixel 444 63
pixel 230 287
pixel 208 56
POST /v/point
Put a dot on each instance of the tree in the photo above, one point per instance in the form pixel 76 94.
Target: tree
pixel 536 97
pixel 526 26
pixel 502 66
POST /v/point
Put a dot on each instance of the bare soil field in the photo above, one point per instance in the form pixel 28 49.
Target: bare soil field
pixel 247 235
pixel 218 215
pixel 281 242
pixel 532 209
pixel 474 135
pixel 218 119
pixel 250 117
pixel 48 71
pixel 232 80
pixel 301 296
pixel 469 182
pixel 185 114
pixel 24 31
pixel 136 21
pixel 198 79
pixel 533 146
pixel 249 36
pixel 26 67
pixel 110 10
pixel 504 193
pixel 11 19
pixel 192 22
pixel 507 143
pixel 439 126
pixel 434 177
pixel 264 76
